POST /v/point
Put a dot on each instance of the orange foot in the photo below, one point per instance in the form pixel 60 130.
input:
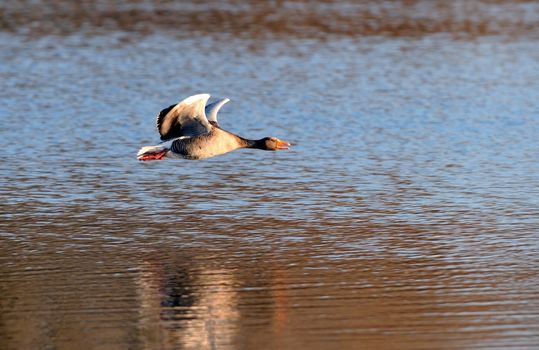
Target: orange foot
pixel 153 155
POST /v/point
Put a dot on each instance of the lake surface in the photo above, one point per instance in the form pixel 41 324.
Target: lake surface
pixel 405 216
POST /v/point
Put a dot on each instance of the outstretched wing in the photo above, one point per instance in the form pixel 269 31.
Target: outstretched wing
pixel 186 118
pixel 212 109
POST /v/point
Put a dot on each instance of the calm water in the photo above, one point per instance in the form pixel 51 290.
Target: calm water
pixel 406 216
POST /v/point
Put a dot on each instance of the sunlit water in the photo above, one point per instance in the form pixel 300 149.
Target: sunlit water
pixel 405 215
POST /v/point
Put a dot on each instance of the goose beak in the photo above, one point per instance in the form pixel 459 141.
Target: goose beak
pixel 283 145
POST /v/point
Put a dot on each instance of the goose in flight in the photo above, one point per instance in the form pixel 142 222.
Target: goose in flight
pixel 190 130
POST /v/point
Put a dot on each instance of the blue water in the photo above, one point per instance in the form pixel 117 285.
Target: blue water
pixel 404 216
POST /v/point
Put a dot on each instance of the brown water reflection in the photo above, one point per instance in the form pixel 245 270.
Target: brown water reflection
pixel 207 291
pixel 275 18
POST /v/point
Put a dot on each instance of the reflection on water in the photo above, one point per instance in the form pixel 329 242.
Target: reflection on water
pixel 404 217
pixel 196 310
pixel 253 298
pixel 284 19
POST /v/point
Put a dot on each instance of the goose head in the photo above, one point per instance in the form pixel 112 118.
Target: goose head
pixel 272 144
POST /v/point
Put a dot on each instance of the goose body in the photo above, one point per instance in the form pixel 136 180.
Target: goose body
pixel 212 144
pixel 190 130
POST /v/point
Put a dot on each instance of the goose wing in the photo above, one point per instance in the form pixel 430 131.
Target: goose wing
pixel 212 109
pixel 186 118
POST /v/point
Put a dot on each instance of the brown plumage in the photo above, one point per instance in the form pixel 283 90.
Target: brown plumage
pixel 195 133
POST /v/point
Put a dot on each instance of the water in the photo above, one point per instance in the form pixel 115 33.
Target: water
pixel 404 217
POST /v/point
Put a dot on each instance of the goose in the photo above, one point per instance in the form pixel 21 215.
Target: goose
pixel 189 130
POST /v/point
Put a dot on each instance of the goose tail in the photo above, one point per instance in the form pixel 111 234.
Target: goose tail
pixel 158 152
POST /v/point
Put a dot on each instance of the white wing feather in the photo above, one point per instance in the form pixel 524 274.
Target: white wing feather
pixel 213 108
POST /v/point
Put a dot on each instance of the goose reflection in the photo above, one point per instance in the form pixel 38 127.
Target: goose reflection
pixel 194 309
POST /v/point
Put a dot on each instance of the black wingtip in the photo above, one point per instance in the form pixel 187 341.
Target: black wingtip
pixel 162 115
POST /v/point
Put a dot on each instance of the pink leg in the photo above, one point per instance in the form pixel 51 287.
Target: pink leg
pixel 153 155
